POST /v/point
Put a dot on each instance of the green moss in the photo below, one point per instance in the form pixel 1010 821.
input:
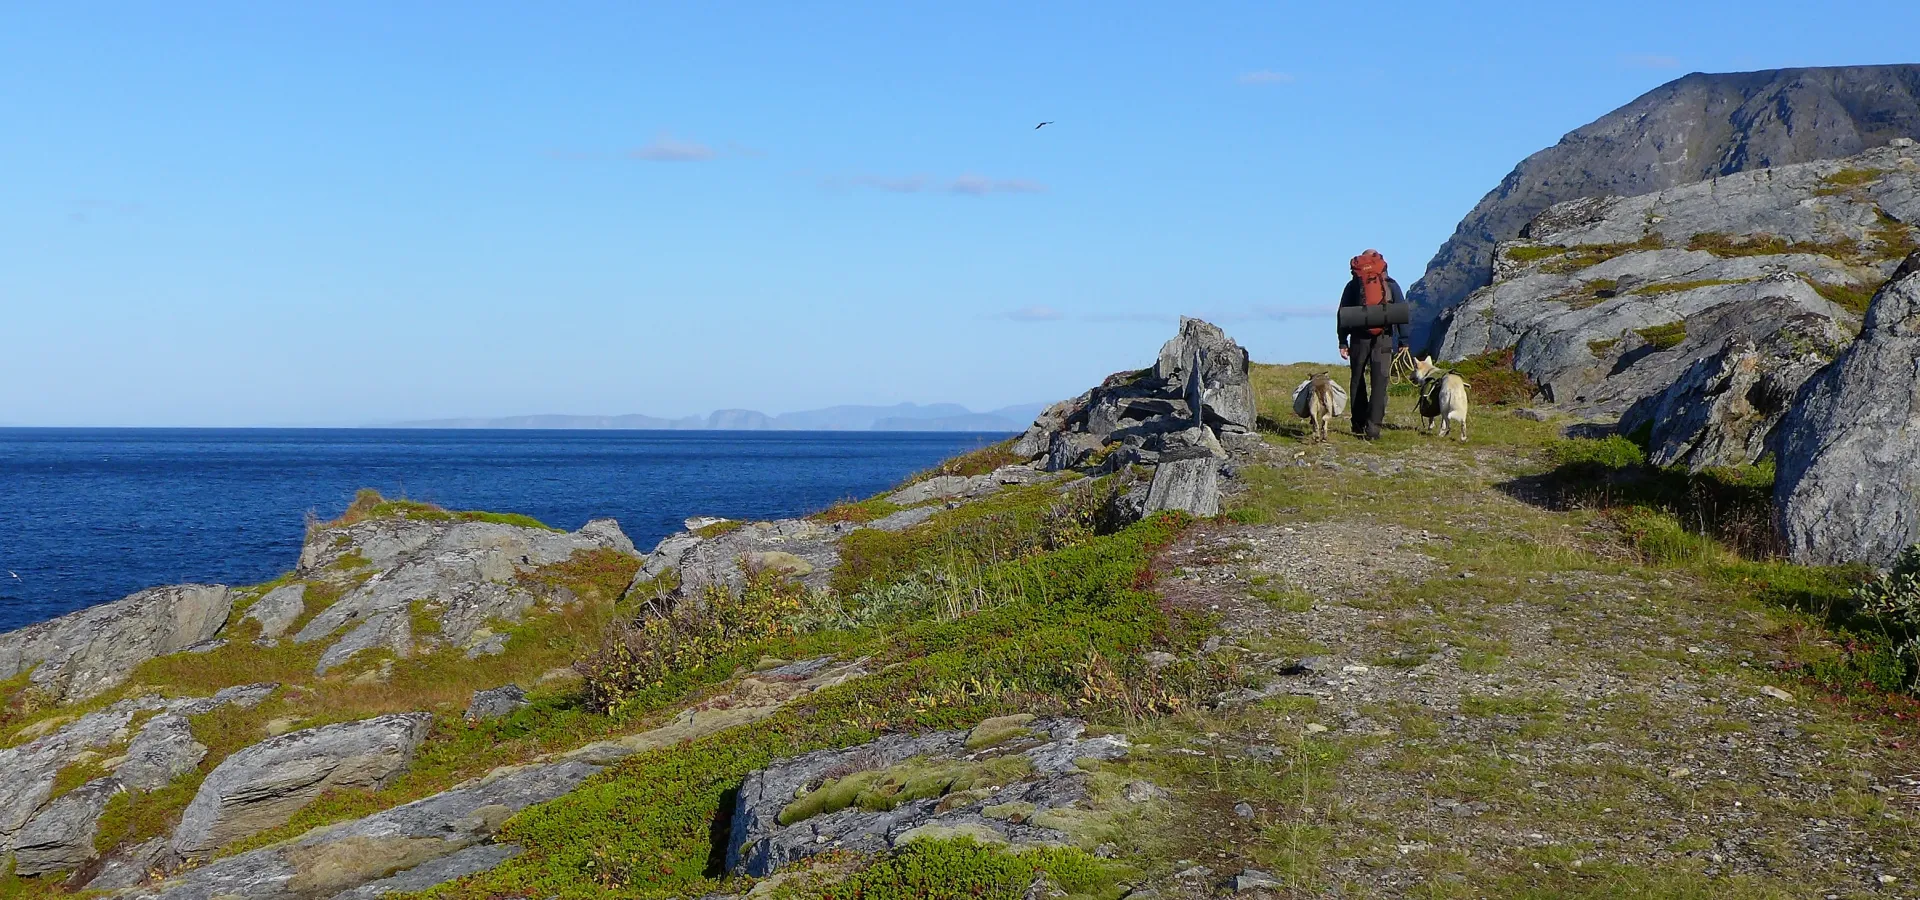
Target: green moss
pixel 858 512
pixel 369 504
pixel 1847 180
pixel 424 618
pixel 1664 337
pixel 722 527
pixel 1586 256
pixel 1853 298
pixel 1674 287
pixel 76 774
pixel 974 462
pixel 915 779
pixel 964 869
pixel 996 731
pixel 1726 245
pixel 1894 238
pixel 1601 348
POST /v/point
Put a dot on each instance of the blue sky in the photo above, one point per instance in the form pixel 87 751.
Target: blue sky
pixel 339 213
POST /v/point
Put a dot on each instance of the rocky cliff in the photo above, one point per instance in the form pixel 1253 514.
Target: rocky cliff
pixel 1692 129
pixel 1696 312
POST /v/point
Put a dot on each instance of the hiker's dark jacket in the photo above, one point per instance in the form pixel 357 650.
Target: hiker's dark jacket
pixel 1355 295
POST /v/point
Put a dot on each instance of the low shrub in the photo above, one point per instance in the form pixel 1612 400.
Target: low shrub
pixel 1492 379
pixel 963 869
pixel 369 504
pixel 976 462
pixel 638 656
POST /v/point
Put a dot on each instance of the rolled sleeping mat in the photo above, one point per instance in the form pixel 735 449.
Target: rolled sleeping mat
pixel 1382 315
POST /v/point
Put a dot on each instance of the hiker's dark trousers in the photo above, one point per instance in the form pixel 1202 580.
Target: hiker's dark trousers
pixel 1369 355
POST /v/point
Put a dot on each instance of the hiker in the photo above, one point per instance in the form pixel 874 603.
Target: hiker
pixel 1370 350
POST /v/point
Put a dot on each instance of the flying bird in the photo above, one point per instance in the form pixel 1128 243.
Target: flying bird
pixel 1042 125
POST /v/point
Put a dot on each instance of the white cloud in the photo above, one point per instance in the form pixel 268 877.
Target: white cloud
pixel 1035 314
pixel 970 185
pixel 1265 76
pixel 667 148
pixel 1650 61
pixel 980 185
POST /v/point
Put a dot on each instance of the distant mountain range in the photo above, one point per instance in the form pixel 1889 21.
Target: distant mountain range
pixel 899 417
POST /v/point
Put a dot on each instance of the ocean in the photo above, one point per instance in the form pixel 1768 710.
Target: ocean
pixel 91 515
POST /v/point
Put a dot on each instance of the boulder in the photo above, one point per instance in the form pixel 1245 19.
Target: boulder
pixel 164 750
pixel 410 847
pixel 804 549
pixel 1848 474
pixel 129 866
pixel 262 786
pixel 1028 787
pixel 1208 367
pixel 1200 378
pixel 464 574
pixel 277 610
pixel 492 704
pixel 82 654
pixel 1722 409
pixel 60 836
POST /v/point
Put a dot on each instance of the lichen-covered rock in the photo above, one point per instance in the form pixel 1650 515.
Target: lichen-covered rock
pixel 1848 479
pixel 164 750
pixel 1608 302
pixel 418 844
pixel 1189 485
pixel 277 610
pixel 1125 419
pixel 492 704
pixel 81 654
pixel 1035 791
pixel 1722 409
pixel 262 786
pixel 701 562
pixel 462 574
pixel 60 836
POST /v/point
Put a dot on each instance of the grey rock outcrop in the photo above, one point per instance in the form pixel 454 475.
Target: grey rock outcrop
pixel 1689 130
pixel 418 845
pixel 1188 485
pixel 262 786
pixel 804 550
pixel 1721 410
pixel 164 750
pixel 1031 808
pixel 81 654
pixel 49 830
pixel 1848 478
pixel 277 610
pixel 1615 306
pixel 129 866
pixel 60 836
pixel 464 574
pixel 492 704
pixel 954 487
pixel 1130 415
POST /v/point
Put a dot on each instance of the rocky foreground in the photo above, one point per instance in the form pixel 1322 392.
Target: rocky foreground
pixel 1156 645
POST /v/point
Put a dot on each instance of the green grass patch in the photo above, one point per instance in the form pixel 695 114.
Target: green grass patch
pixel 963 869
pixel 1724 245
pixel 856 512
pixel 975 462
pixel 1852 297
pixel 1600 348
pixel 1492 379
pixel 1664 337
pixel 722 527
pixel 1846 180
pixel 1586 256
pixel 878 790
pixel 369 504
pixel 1675 287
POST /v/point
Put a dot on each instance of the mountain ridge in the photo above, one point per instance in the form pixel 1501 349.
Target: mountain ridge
pixel 1694 128
pixel 843 417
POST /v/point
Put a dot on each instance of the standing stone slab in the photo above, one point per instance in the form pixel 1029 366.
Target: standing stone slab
pixel 1190 485
pixel 1848 487
pixel 262 786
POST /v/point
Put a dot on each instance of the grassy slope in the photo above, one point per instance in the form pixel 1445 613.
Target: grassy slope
pixel 1577 627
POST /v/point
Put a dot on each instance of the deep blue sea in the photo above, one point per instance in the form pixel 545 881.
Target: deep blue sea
pixel 91 515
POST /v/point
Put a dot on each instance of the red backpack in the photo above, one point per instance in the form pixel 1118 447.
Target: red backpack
pixel 1371 268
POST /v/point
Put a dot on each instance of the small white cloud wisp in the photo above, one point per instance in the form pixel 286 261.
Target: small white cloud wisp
pixel 1265 76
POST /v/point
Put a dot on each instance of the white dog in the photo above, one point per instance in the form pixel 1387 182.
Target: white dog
pixel 1443 396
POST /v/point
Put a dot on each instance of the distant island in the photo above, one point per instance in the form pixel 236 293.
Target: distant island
pixel 898 417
